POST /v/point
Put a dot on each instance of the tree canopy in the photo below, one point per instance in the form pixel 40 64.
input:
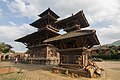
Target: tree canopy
pixel 4 48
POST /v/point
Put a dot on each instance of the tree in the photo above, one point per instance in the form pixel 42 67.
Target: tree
pixel 4 48
pixel 100 50
pixel 113 49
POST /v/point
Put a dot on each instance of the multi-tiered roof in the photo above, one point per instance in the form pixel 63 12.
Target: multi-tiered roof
pixel 45 26
pixel 74 22
pixel 48 26
pixel 48 18
pixel 75 37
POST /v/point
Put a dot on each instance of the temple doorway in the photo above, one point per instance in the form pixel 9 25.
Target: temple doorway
pixel 7 57
pixel 1 57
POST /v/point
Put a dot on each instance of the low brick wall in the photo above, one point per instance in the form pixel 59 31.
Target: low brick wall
pixel 5 70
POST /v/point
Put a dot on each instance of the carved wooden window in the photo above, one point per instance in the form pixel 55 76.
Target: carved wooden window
pixel 77 58
pixel 65 59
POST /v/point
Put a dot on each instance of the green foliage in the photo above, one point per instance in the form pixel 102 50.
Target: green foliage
pixel 113 49
pixel 107 56
pixel 100 51
pixel 113 53
pixel 4 48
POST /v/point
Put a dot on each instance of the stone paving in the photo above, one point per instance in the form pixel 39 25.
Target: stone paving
pixel 41 72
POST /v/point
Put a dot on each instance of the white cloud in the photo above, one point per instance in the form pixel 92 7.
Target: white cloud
pixel 6 1
pixel 20 7
pixel 9 33
pixel 12 23
pixel 98 8
pixel 103 15
pixel 107 10
pixel 108 34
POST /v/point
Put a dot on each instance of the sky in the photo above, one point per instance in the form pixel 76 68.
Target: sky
pixel 16 15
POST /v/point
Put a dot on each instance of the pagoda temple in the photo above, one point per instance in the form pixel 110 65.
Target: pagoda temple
pixel 46 44
pixel 42 53
pixel 74 46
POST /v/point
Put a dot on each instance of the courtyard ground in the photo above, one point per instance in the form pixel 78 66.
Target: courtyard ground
pixel 41 72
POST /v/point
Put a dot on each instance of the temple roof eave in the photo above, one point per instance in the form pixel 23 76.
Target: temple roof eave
pixel 32 35
pixel 41 22
pixel 79 16
pixel 76 33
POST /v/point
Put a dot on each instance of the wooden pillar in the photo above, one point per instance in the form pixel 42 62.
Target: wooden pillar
pixel 85 54
pixel 60 59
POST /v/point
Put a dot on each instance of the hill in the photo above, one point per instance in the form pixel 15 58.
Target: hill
pixel 116 43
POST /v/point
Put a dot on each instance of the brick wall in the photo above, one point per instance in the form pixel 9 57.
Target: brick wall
pixel 7 70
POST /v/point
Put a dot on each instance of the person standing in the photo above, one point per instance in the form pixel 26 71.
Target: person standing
pixel 16 60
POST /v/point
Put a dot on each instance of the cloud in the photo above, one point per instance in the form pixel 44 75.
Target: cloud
pixel 12 23
pixel 98 8
pixel 103 15
pixel 6 1
pixel 11 32
pixel 22 8
pixel 109 34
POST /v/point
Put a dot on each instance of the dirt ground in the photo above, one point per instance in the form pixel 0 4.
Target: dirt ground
pixel 41 72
